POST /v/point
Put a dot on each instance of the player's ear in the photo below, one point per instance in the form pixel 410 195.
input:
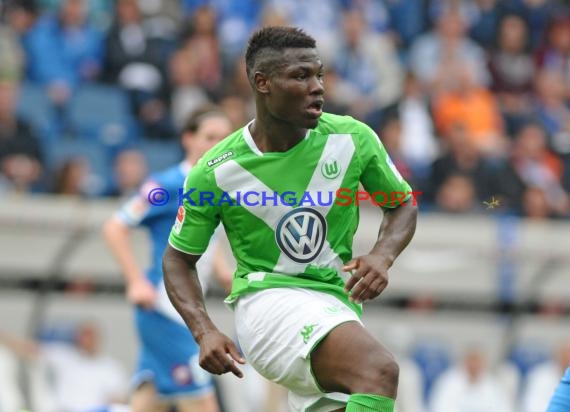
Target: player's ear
pixel 262 82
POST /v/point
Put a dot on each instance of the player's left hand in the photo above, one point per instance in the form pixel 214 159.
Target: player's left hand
pixel 369 278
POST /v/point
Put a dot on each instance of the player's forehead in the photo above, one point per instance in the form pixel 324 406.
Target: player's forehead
pixel 212 120
pixel 294 58
pixel 215 124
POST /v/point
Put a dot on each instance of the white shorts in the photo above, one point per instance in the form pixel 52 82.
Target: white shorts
pixel 277 330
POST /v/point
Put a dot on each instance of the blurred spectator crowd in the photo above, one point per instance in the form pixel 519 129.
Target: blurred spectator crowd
pixel 470 97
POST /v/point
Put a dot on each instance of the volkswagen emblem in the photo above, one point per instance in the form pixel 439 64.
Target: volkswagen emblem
pixel 301 234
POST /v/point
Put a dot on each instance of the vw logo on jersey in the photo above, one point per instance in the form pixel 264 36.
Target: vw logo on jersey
pixel 330 168
pixel 301 234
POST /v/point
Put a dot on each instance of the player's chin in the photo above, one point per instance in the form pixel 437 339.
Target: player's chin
pixel 311 120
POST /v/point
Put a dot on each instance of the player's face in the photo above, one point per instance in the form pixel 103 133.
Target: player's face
pixel 211 131
pixel 296 89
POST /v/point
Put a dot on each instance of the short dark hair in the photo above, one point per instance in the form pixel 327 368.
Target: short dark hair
pixel 199 115
pixel 264 42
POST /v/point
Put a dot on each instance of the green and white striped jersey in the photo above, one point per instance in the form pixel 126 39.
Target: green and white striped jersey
pixel 279 209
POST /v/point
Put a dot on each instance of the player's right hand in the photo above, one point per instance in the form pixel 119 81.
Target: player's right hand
pixel 218 353
pixel 142 293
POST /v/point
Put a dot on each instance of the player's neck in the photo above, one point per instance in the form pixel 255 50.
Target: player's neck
pixel 272 136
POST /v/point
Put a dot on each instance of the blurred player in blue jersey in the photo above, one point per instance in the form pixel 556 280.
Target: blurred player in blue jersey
pixel 560 401
pixel 168 372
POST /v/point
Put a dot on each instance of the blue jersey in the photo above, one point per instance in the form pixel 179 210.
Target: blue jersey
pixel 560 401
pixel 146 209
pixel 155 207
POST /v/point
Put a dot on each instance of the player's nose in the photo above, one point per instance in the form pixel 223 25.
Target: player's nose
pixel 316 86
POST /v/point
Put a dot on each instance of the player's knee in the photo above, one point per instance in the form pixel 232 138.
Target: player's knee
pixel 381 376
pixel 389 372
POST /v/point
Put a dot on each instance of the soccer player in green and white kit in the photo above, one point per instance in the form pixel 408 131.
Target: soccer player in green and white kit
pixel 297 291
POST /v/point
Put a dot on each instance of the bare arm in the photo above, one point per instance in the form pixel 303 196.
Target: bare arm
pixel 396 231
pixel 185 293
pixel 370 276
pixel 118 237
pixel 25 348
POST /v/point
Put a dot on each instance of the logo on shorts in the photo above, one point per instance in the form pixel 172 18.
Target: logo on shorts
pixel 307 331
pixel 332 309
pixel 301 234
pixel 182 375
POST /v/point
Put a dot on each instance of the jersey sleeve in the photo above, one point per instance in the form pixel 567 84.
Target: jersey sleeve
pixel 198 213
pixel 138 208
pixel 380 177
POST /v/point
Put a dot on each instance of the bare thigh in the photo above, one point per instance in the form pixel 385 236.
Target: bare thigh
pixel 207 403
pixel 145 399
pixel 350 360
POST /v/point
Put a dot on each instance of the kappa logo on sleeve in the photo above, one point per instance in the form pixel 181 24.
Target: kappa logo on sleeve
pixel 220 158
pixel 180 216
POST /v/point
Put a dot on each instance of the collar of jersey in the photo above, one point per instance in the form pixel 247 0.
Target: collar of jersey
pixel 251 143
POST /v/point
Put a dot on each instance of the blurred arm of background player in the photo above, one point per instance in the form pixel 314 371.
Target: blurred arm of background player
pixel 139 289
pixel 24 348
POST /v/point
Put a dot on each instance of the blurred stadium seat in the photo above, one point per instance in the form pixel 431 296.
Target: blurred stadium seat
pixel 92 151
pixel 102 113
pixel 161 154
pixel 35 108
pixel 525 355
pixel 96 156
pixel 433 358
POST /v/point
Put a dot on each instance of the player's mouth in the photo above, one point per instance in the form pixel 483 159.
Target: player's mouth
pixel 315 109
